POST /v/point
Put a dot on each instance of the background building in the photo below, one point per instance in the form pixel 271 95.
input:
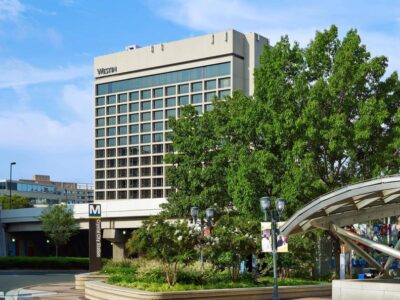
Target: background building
pixel 42 191
pixel 137 90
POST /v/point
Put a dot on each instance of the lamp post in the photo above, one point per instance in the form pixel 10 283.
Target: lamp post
pixel 11 165
pixel 265 204
pixel 194 212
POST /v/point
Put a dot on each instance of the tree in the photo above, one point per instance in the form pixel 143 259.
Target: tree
pixel 169 242
pixel 17 201
pixel 58 224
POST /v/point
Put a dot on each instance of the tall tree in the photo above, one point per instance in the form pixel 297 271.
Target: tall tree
pixel 17 201
pixel 58 224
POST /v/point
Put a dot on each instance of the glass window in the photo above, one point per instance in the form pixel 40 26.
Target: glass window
pixel 157 160
pixel 211 85
pixel 122 151
pixel 133 172
pixel 100 132
pixel 100 101
pixel 134 150
pixel 158 193
pixel 157 137
pixel 225 93
pixel 224 83
pixel 111 131
pixel 146 127
pixel 210 96
pixel 122 98
pixel 197 98
pixel 133 118
pixel 133 161
pixel 111 142
pixel 100 111
pixel 145 161
pixel 197 87
pixel 157 171
pixel 170 90
pixel 100 153
pixel 134 128
pixel 144 194
pixel 146 116
pixel 146 138
pixel 122 140
pixel 158 92
pixel 133 107
pixel 199 109
pixel 145 149
pixel 100 163
pixel 169 148
pixel 133 183
pixel 157 126
pixel 158 148
pixel 209 107
pixel 134 96
pixel 169 102
pixel 100 143
pixel 145 171
pixel 146 94
pixel 122 119
pixel 111 152
pixel 157 182
pixel 145 183
pixel 111 99
pixel 111 120
pixel 134 139
pixel 167 126
pixel 183 88
pixel 133 194
pixel 146 105
pixel 122 130
pixel 158 115
pixel 158 103
pixel 122 108
pixel 100 122
pixel 111 110
pixel 170 113
pixel 183 100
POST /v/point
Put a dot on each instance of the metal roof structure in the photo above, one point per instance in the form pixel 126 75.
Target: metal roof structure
pixel 356 203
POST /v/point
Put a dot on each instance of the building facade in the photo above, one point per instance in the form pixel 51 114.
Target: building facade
pixel 41 191
pixel 138 89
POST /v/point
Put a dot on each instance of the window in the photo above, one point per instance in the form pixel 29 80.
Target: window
pixel 122 162
pixel 122 151
pixel 99 195
pixel 100 132
pixel 122 141
pixel 133 194
pixel 134 128
pixel 183 100
pixel 110 163
pixel 158 93
pixel 169 102
pixel 183 88
pixel 146 105
pixel 157 137
pixel 99 174
pixel 100 143
pixel 197 98
pixel 100 101
pixel 169 148
pixel 145 183
pixel 122 108
pixel 111 131
pixel 209 107
pixel 100 111
pixel 100 122
pixel 133 118
pixel 134 96
pixel 134 107
pixel 170 90
pixel 224 83
pixel 157 171
pixel 111 152
pixel 170 113
pixel 111 120
pixel 111 99
pixel 197 87
pixel 100 153
pixel 157 160
pixel 157 193
pixel 146 127
pixel 133 161
pixel 134 140
pixel 145 171
pixel 111 174
pixel 111 142
pixel 158 103
pixel 158 115
pixel 122 130
pixel 99 164
pixel 122 119
pixel 157 126
pixel 210 96
pixel 157 182
pixel 122 98
pixel 145 149
pixel 145 194
pixel 133 183
pixel 111 184
pixel 122 173
pixel 199 109
pixel 210 85
pixel 145 161
pixel 146 138
pixel 158 148
pixel 223 94
pixel 133 172
pixel 146 94
pixel 146 116
pixel 134 150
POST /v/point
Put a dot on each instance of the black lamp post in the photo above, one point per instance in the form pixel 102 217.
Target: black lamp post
pixel 265 204
pixel 194 212
pixel 11 165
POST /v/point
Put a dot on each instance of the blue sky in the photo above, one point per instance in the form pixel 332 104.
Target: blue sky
pixel 47 49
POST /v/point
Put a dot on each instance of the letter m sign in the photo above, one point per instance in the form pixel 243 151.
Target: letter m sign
pixel 95 211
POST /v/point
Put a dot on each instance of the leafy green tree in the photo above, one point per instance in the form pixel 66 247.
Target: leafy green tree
pixel 17 201
pixel 169 242
pixel 58 224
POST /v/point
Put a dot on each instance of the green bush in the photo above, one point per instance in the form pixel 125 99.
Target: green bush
pixel 38 262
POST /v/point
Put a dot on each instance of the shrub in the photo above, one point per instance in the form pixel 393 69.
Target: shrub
pixel 37 262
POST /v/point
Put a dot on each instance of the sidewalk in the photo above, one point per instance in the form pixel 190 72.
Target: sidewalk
pixel 59 291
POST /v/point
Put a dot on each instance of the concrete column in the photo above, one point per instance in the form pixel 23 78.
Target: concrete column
pixel 118 251
pixel 118 242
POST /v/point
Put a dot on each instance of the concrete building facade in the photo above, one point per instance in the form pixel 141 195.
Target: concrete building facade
pixel 138 89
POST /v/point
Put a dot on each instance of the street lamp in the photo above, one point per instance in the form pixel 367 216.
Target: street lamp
pixel 265 204
pixel 11 165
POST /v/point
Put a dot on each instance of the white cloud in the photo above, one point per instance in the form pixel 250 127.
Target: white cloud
pixel 11 9
pixel 19 73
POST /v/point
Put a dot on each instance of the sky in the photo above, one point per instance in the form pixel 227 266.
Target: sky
pixel 47 49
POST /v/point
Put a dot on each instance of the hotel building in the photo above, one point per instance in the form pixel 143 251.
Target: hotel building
pixel 138 89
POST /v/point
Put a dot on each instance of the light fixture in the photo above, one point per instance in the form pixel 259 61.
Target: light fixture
pixel 13 240
pixel 209 213
pixel 194 212
pixel 280 205
pixel 265 203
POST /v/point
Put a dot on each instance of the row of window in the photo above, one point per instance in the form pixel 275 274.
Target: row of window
pixel 121 173
pixel 195 87
pixel 134 150
pixel 132 140
pixel 174 77
pixel 133 194
pixel 132 161
pixel 131 183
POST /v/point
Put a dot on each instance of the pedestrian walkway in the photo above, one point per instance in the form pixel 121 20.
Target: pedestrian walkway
pixel 59 291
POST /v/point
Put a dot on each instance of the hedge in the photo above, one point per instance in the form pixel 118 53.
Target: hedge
pixel 38 262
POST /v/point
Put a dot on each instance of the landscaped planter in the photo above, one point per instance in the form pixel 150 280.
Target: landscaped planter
pixel 80 279
pixel 98 290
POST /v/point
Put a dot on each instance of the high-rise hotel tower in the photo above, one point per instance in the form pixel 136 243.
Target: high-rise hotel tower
pixel 138 89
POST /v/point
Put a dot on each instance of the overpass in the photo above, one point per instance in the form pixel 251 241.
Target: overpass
pixel 117 216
